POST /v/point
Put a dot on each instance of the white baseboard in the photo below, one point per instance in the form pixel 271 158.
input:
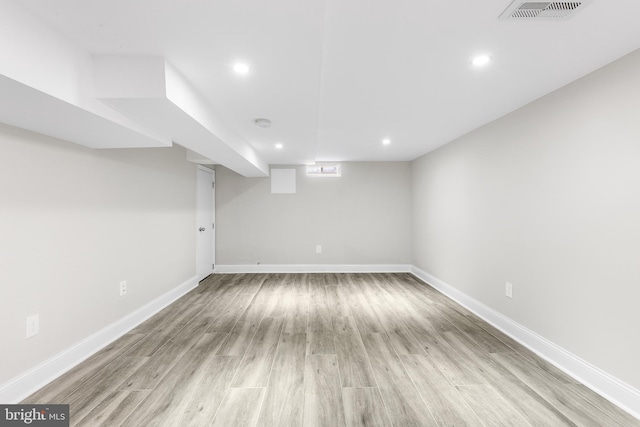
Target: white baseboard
pixel 314 268
pixel 611 388
pixel 37 377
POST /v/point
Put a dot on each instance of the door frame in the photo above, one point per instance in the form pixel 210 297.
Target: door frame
pixel 211 187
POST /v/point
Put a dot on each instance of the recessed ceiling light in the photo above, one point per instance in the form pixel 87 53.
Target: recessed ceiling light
pixel 279 146
pixel 240 68
pixel 386 141
pixel 262 123
pixel 480 60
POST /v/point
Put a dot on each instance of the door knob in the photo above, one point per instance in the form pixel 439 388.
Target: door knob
pixel 201 229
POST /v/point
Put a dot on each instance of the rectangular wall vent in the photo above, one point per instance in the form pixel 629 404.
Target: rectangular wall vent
pixel 519 9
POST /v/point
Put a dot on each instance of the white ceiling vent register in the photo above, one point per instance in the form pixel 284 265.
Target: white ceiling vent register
pixel 542 9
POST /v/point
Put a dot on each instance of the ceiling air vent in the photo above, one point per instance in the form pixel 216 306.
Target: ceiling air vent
pixel 542 9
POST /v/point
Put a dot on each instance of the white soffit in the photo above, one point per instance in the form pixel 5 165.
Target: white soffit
pixel 28 108
pixel 153 92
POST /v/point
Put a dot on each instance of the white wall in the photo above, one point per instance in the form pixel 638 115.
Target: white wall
pixel 547 198
pixel 75 222
pixel 363 217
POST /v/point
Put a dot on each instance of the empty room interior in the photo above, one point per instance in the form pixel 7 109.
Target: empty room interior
pixel 321 213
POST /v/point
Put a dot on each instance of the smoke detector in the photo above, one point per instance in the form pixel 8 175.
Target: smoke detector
pixel 262 123
pixel 519 10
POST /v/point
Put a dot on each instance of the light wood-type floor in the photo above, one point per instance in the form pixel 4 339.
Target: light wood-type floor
pixel 321 350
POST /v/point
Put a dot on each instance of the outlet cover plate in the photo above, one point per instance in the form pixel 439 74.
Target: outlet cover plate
pixel 508 290
pixel 33 325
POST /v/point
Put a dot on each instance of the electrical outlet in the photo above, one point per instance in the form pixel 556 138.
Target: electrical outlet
pixel 123 287
pixel 318 249
pixel 508 290
pixel 33 325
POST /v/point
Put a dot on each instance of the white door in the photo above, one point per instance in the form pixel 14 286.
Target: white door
pixel 204 222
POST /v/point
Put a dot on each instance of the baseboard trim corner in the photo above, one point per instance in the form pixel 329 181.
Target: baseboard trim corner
pixel 27 383
pixel 606 385
pixel 313 268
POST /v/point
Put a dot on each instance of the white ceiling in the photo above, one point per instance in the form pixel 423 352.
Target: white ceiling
pixel 336 77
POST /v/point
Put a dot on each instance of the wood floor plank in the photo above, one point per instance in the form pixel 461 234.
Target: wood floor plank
pixel 399 336
pixel 207 344
pixel 299 283
pixel 338 305
pixel 171 319
pixel 454 365
pixel 113 409
pixel 490 343
pixel 536 409
pixel 164 400
pixel 289 364
pixel 320 333
pixel 58 390
pixel 83 400
pixel 366 317
pixel 256 364
pixel 523 351
pixel 320 341
pixel 239 408
pixel 218 304
pixel 386 305
pixel 297 317
pixel 149 344
pixel 226 318
pixel 274 296
pixel 156 367
pixel 363 407
pixel 200 406
pixel 425 334
pixel 579 410
pixel 197 327
pixel 284 397
pixel 442 398
pixel 406 303
pixel 618 415
pixel 437 321
pixel 419 292
pixel 227 283
pixel 236 284
pixel 401 301
pixel 250 283
pixel 344 325
pixel 244 329
pixel 492 409
pixel 403 402
pixel 353 361
pixel 317 283
pixel 323 405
